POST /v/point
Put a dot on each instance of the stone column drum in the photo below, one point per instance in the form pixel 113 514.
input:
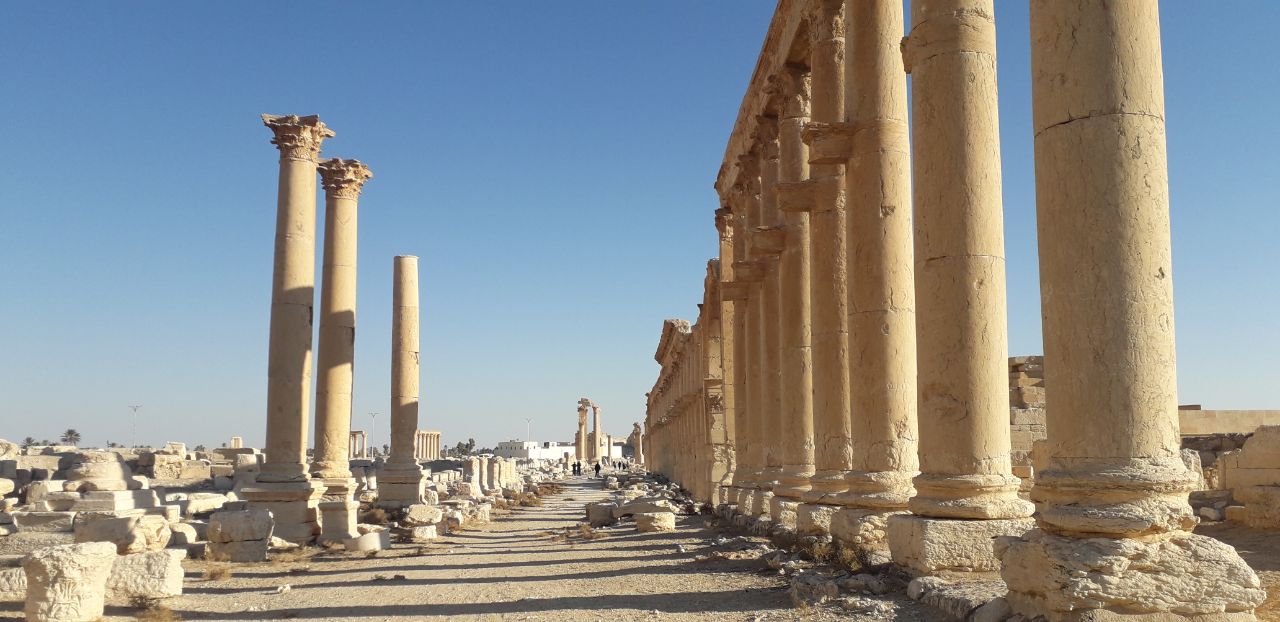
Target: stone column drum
pixel 963 390
pixel 795 418
pixel 68 583
pixel 283 486
pixel 335 358
pixel 882 329
pixel 401 480
pixel 1114 524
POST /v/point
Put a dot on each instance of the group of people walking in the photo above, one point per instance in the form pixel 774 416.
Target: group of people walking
pixel 616 465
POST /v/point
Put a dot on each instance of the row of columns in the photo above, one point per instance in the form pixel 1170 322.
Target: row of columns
pixel 865 352
pixel 317 498
pixel 358 445
pixel 592 446
pixel 426 445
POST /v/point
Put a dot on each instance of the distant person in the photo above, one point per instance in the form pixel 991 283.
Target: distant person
pixel 597 469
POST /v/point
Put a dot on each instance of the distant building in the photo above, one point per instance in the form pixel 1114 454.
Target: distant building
pixel 545 450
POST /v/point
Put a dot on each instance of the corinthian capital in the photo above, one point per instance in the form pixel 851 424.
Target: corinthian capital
pixel 298 138
pixel 343 179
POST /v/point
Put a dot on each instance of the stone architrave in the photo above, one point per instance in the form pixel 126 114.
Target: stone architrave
pixel 401 479
pixel 284 485
pixel 882 329
pixel 335 359
pixel 1114 524
pixel 795 417
pixel 963 393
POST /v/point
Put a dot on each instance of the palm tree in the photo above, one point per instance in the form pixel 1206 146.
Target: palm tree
pixel 71 437
pixel 28 441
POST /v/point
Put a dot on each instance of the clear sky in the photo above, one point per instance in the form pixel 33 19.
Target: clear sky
pixel 552 165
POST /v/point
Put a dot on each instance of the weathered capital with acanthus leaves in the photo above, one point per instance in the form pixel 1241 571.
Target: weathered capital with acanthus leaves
pixel 298 138
pixel 343 179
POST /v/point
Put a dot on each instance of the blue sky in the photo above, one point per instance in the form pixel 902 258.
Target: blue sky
pixel 552 165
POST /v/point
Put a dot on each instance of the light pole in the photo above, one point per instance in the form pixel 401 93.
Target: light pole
pixel 373 434
pixel 133 441
pixel 528 429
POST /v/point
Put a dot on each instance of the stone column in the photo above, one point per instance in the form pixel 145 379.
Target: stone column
pixel 729 326
pixel 766 244
pixel 283 486
pixel 824 196
pixel 881 307
pixel 596 433
pixel 236 442
pixel 960 297
pixel 401 478
pixel 581 439
pixel 1114 523
pixel 639 448
pixel 795 423
pixel 335 358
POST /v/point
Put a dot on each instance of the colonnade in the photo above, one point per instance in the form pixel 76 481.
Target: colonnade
pixel 426 445
pixel 861 316
pixel 358 445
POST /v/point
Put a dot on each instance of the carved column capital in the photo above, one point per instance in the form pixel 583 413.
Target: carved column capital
pixel 724 223
pixel 298 138
pixel 795 85
pixel 343 179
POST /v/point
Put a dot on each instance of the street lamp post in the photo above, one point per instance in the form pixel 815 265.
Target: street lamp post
pixel 133 441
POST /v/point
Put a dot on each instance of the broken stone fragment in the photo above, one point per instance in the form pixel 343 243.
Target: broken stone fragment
pixel 149 575
pixel 655 521
pixel 68 583
pixel 130 534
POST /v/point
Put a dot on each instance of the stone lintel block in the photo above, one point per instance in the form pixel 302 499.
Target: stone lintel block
pixel 734 290
pixel 749 270
pixel 770 240
pixel 926 546
pixel 1027 416
pixel 814 519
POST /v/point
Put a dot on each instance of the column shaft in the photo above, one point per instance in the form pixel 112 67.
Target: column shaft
pixel 770 415
pixel 401 482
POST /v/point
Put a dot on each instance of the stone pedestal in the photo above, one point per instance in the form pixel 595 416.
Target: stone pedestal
pixel 928 546
pixel 401 480
pixel 293 506
pixel 1114 523
pixel 338 509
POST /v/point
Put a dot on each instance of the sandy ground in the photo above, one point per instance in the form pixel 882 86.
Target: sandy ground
pixel 519 567
pixel 1261 549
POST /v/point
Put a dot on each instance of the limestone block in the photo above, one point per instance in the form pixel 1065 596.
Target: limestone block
pixel 655 521
pixel 167 466
pixel 1184 574
pixel 153 574
pixel 44 521
pixel 815 519
pixel 373 541
pixel 932 545
pixel 956 601
pixel 198 503
pixel 115 501
pixel 1027 397
pixel 422 515
pixel 130 534
pixel 241 525
pixel 7 486
pixel 601 513
pixel 195 469
pixel 244 551
pixel 9 450
pixel 645 505
pixel 424 534
pixel 183 534
pixel 68 583
pixel 1027 416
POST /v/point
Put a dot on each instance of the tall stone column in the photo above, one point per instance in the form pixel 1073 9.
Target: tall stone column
pixel 639 447
pixel 283 485
pixel 824 196
pixel 766 245
pixel 881 295
pixel 728 320
pixel 597 435
pixel 963 386
pixel 335 358
pixel 401 479
pixel 1114 523
pixel 581 439
pixel 795 300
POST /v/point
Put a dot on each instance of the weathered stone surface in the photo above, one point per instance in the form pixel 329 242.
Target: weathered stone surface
pixel 645 505
pixel 240 525
pixel 1181 574
pixel 13 584
pixel 422 515
pixel 929 545
pixel 424 534
pixel 6 486
pixel 956 601
pixel 244 551
pixel 44 521
pixel 184 534
pixel 372 541
pixel 130 534
pixel 68 583
pixel 153 574
pixel 655 521
pixel 201 503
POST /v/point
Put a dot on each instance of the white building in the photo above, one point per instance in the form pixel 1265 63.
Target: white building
pixel 547 450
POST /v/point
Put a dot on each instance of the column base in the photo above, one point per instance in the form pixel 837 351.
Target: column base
pixel 926 546
pixel 758 503
pixel 814 519
pixel 793 482
pixel 825 485
pixel 338 510
pixel 1180 576
pixel 783 511
pixel 865 531
pixel 400 486
pixel 293 506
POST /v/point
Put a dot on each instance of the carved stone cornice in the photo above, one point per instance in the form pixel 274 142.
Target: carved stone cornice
pixel 298 138
pixel 826 20
pixel 343 179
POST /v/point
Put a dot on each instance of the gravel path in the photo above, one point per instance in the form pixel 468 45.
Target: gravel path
pixel 519 567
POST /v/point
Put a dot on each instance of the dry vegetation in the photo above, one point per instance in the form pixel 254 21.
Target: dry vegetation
pixel 217 572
